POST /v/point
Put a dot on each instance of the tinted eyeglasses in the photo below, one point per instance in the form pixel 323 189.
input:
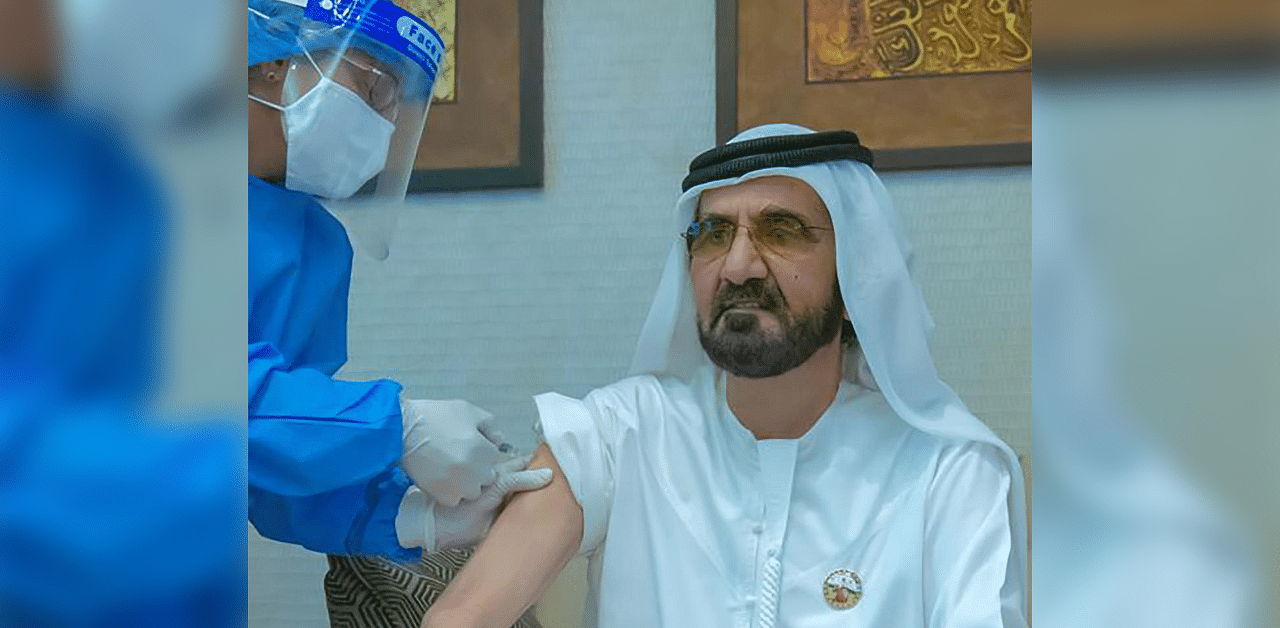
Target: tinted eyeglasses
pixel 782 233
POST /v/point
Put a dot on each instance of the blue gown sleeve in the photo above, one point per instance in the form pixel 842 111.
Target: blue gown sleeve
pixel 110 520
pixel 323 459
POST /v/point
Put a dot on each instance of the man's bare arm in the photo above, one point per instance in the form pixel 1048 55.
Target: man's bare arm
pixel 530 542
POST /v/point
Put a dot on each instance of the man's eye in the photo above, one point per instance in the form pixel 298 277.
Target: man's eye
pixel 720 231
pixel 783 229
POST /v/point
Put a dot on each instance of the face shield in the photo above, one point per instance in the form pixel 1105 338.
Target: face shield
pixel 358 86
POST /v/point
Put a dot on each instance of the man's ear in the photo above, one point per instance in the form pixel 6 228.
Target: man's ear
pixel 847 334
pixel 267 71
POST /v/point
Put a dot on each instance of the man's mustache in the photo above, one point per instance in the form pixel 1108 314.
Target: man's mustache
pixel 765 296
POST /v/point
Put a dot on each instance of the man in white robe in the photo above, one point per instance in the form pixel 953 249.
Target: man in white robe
pixel 785 454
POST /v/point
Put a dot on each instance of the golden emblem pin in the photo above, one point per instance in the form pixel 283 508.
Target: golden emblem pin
pixel 842 589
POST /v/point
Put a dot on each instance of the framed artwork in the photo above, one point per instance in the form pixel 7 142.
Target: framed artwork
pixel 924 83
pixel 484 129
pixel 1180 38
pixel 1239 30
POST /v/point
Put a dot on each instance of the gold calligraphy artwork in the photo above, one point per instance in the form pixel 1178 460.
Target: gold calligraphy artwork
pixel 443 16
pixel 856 40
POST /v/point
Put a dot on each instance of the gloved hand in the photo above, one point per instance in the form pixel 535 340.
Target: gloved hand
pixel 433 527
pixel 449 448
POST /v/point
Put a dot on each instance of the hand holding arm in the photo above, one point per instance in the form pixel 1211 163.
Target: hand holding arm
pixel 531 541
pixel 450 448
pixel 423 523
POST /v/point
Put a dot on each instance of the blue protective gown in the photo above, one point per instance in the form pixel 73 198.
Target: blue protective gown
pixel 106 518
pixel 323 453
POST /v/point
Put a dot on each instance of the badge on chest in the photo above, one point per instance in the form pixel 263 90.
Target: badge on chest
pixel 842 589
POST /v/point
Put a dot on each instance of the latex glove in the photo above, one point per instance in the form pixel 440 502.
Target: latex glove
pixel 449 448
pixel 433 527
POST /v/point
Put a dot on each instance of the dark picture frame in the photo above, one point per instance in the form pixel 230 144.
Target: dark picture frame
pixel 491 135
pixel 767 83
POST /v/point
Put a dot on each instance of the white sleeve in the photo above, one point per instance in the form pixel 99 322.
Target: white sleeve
pixel 584 435
pixel 416 520
pixel 967 543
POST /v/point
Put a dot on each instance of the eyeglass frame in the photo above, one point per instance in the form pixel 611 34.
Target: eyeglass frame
pixel 391 108
pixel 775 213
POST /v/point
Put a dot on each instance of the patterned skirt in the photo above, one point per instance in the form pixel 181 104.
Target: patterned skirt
pixel 374 592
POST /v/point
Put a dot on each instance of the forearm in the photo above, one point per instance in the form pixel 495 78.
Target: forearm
pixel 311 434
pixel 530 542
pixel 355 519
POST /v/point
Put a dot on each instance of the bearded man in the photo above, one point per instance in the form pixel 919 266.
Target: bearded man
pixel 785 453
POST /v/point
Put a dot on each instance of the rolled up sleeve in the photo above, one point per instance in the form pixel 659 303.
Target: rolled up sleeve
pixel 575 433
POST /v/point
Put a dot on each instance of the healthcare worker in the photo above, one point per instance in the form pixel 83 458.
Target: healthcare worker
pixel 339 92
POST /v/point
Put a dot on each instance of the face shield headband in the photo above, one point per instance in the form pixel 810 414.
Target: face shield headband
pixel 388 38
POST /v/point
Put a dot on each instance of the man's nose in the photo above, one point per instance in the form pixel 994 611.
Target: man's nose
pixel 743 260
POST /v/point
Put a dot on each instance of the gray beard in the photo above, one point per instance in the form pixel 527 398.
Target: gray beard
pixel 741 348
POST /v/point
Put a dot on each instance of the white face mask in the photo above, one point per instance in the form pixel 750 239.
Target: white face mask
pixel 336 141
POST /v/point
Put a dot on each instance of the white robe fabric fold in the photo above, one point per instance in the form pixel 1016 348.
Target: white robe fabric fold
pixel 691 521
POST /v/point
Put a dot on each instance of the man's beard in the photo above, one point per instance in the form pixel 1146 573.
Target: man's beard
pixel 740 347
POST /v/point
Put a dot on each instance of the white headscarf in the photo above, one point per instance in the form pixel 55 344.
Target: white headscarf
pixel 884 302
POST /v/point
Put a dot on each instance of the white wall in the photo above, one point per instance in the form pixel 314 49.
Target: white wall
pixel 493 297
pixel 972 233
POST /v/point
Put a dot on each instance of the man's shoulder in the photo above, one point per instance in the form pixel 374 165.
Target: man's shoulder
pixel 878 422
pixel 643 388
pixel 875 413
pixel 961 460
